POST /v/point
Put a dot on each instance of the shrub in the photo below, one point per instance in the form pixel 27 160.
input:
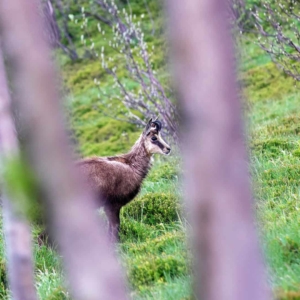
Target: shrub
pixel 167 171
pixel 167 243
pixel 154 208
pixel 132 231
pixel 144 271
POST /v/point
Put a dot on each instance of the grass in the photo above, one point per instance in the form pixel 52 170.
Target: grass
pixel 153 246
pixel 275 166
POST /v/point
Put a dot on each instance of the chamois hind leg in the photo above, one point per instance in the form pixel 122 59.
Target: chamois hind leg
pixel 113 215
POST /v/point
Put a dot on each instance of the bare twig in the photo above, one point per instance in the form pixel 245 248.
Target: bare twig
pixel 151 98
pixel 278 33
pixel 70 48
pixel 128 40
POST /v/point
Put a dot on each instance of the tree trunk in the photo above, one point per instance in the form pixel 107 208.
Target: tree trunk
pixel 228 263
pixel 16 229
pixel 91 267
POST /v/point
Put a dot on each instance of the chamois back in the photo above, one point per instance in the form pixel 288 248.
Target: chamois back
pixel 116 180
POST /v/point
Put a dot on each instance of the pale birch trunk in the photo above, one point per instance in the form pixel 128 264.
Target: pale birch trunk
pixel 16 229
pixel 91 267
pixel 228 262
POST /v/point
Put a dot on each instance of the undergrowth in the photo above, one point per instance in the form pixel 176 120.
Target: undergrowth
pixel 153 245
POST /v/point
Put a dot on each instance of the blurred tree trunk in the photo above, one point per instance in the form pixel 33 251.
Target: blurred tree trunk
pixel 16 229
pixel 91 267
pixel 228 263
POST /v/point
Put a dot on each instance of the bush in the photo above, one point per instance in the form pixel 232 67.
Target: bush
pixel 168 243
pixel 133 231
pixel 154 208
pixel 144 271
pixel 167 171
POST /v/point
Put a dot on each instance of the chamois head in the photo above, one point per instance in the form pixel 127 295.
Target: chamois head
pixel 153 140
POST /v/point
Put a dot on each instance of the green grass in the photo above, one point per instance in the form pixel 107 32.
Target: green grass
pixel 276 170
pixel 273 119
pixel 153 246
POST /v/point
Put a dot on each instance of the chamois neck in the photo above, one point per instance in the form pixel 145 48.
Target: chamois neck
pixel 138 158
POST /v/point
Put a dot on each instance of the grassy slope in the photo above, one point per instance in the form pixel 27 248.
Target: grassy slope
pixel 273 111
pixel 152 247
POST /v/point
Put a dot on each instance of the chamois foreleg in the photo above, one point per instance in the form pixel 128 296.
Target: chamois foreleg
pixel 113 215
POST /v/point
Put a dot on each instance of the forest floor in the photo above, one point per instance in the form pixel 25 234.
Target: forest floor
pixel 153 248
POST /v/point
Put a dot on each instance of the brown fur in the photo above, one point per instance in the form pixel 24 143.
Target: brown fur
pixel 117 180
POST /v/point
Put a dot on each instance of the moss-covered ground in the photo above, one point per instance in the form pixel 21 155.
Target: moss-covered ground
pixel 153 249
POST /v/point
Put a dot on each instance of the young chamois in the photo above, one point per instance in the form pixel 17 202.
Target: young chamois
pixel 116 180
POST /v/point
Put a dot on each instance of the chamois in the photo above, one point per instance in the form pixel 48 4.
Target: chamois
pixel 116 180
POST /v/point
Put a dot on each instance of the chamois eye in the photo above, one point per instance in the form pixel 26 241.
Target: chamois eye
pixel 154 138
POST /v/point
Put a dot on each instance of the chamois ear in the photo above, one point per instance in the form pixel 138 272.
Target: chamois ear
pixel 153 126
pixel 157 125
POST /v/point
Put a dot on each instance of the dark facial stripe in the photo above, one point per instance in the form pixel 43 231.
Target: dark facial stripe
pixel 159 144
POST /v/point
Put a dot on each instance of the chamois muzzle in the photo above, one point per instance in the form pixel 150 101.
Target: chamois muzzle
pixel 167 151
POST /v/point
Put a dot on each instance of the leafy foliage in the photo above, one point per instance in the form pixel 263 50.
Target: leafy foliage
pixel 154 208
pixel 155 269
